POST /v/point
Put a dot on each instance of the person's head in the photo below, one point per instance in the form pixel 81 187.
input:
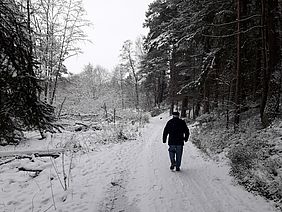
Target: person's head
pixel 175 114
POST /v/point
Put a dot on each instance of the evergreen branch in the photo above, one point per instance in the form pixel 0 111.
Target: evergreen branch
pixel 234 22
pixel 234 34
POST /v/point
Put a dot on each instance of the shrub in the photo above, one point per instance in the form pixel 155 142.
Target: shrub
pixel 242 159
pixel 156 112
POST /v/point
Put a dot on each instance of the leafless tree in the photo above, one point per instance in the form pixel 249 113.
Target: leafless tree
pixel 129 62
pixel 59 26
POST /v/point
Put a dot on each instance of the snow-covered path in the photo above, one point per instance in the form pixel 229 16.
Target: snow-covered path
pixel 133 176
pixel 139 179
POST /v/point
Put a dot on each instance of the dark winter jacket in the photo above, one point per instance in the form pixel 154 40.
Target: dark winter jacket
pixel 177 130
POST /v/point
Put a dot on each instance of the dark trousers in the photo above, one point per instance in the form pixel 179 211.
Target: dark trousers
pixel 175 154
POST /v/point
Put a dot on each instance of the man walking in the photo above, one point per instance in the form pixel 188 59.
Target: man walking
pixel 178 132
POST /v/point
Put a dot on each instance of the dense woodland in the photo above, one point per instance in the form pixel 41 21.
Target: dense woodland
pixel 198 57
pixel 212 55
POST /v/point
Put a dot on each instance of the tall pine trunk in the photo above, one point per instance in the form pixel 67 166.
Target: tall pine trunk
pixel 173 80
pixel 206 97
pixel 238 71
pixel 272 58
pixel 184 106
pixel 264 64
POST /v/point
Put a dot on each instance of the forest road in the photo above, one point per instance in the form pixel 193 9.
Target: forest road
pixel 142 181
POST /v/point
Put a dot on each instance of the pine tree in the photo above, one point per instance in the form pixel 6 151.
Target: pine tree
pixel 20 107
pixel 217 55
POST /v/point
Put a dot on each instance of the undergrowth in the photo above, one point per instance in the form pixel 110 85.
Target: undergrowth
pixel 255 154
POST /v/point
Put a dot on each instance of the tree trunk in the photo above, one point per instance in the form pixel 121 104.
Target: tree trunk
pixel 171 108
pixel 216 97
pixel 238 71
pixel 161 87
pixel 265 69
pixel 206 98
pixel 256 74
pixel 137 93
pixel 197 109
pixel 173 78
pixel 121 89
pixel 228 104
pixel 30 65
pixel 273 61
pixel 184 106
pixel 63 46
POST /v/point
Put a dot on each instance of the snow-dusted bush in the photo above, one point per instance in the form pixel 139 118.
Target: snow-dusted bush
pixel 242 157
pixel 133 116
pixel 156 112
pixel 84 133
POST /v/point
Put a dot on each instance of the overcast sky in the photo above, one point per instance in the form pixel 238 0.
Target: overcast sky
pixel 114 21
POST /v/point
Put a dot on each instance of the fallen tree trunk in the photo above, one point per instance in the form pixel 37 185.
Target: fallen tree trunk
pixel 28 154
pixel 7 161
pixel 30 170
pixel 24 156
pixel 85 125
pixel 53 155
pixel 35 171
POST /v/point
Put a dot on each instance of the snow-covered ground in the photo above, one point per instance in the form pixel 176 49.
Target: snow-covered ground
pixel 131 176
